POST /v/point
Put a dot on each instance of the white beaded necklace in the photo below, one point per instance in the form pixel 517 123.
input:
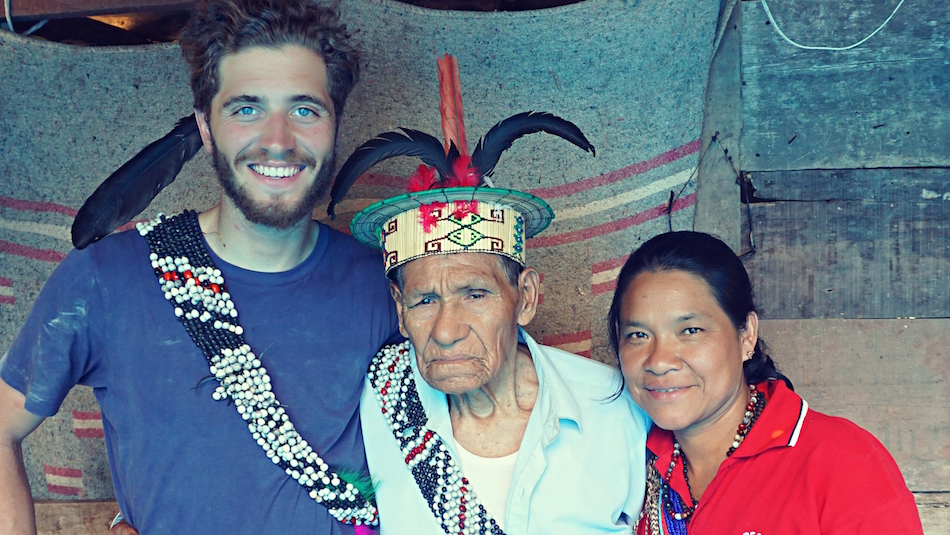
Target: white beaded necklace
pixel 189 279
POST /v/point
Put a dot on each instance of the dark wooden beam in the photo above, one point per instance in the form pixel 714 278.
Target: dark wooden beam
pixel 23 10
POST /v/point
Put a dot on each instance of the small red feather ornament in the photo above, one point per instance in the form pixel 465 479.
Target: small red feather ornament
pixel 422 179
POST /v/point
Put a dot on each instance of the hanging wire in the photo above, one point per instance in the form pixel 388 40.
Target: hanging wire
pixel 6 11
pixel 768 13
pixel 36 26
pixel 9 17
pixel 745 194
pixel 673 197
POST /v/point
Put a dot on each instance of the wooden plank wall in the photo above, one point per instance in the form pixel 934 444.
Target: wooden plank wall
pixel 846 158
pixel 878 105
pixel 852 243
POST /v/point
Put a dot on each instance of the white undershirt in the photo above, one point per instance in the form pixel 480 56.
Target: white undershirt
pixel 490 478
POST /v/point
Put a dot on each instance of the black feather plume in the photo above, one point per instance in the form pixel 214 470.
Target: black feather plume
pixel 502 135
pixel 385 146
pixel 132 187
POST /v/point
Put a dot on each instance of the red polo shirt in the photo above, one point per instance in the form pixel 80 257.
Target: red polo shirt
pixel 798 472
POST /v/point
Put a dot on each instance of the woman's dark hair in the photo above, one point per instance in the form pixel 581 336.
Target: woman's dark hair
pixel 708 258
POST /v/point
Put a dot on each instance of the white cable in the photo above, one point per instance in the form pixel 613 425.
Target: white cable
pixel 765 6
pixel 6 11
pixel 36 26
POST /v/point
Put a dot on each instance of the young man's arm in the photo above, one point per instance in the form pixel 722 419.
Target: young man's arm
pixel 16 502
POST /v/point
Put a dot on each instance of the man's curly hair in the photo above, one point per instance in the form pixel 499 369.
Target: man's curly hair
pixel 220 27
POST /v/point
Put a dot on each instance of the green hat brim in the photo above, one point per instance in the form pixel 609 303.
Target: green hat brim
pixel 365 226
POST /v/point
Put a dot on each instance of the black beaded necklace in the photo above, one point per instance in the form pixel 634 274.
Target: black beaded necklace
pixel 447 491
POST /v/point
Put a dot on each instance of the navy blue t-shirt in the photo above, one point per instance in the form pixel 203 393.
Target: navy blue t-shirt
pixel 182 462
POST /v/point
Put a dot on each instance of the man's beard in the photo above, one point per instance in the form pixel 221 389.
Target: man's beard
pixel 273 214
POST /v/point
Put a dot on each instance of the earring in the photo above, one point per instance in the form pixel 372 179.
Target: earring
pixel 748 356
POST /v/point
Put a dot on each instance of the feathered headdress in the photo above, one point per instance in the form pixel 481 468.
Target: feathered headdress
pixel 460 210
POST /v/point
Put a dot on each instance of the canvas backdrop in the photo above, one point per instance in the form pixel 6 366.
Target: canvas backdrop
pixel 631 74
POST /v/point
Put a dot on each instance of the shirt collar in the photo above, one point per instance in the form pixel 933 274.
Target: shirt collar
pixel 780 423
pixel 555 400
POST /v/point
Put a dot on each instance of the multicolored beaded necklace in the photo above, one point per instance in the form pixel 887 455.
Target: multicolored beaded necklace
pixel 437 475
pixel 660 496
pixel 202 304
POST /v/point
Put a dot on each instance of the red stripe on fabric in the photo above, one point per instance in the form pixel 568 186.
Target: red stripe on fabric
pixel 613 226
pixel 87 415
pixel 62 471
pixel 46 255
pixel 607 265
pixel 130 225
pixel 601 287
pixel 5 281
pixel 389 181
pixel 585 354
pixel 558 339
pixel 66 491
pixel 7 300
pixel 33 206
pixel 620 174
pixel 94 432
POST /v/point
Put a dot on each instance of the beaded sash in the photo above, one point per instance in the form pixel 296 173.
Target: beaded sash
pixel 437 475
pixel 201 302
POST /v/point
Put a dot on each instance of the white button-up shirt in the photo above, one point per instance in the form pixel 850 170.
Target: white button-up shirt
pixel 580 469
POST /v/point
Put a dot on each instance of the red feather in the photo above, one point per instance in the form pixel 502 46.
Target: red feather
pixel 463 208
pixel 430 214
pixel 463 175
pixel 422 179
pixel 450 103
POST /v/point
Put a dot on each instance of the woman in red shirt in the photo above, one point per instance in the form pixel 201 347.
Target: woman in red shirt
pixel 734 450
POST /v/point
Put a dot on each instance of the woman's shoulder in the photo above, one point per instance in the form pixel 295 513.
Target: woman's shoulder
pixel 841 447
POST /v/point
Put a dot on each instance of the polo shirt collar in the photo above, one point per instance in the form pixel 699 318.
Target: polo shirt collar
pixel 779 425
pixel 555 399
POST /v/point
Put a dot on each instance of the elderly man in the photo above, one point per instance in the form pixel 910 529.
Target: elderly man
pixel 471 426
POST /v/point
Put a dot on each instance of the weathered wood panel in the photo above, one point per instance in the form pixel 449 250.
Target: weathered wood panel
pixel 75 518
pixel 52 9
pixel 717 193
pixel 891 377
pixel 934 511
pixel 883 104
pixel 928 184
pixel 843 247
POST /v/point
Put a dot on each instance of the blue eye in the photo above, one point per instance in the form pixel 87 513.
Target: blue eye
pixel 246 110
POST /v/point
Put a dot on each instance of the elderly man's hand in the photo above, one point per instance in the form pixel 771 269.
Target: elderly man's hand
pixel 123 528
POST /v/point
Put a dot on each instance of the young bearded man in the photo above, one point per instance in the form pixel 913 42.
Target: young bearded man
pixel 258 445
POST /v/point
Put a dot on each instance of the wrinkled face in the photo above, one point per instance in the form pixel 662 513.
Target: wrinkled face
pixel 462 316
pixel 271 131
pixel 680 354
